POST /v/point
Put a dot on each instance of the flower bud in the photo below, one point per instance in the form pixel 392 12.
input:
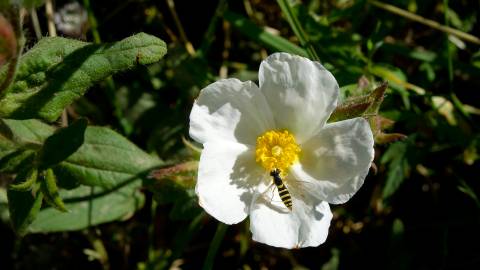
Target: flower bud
pixel 8 42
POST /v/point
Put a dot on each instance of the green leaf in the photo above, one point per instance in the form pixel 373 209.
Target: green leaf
pixel 468 190
pixel 254 32
pixel 292 18
pixel 13 161
pixel 105 159
pixel 24 207
pixel 334 261
pixel 62 144
pixel 25 133
pixel 19 140
pixel 57 71
pixel 398 168
pixel 90 206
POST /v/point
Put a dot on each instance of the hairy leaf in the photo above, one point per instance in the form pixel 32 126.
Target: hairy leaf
pixel 367 105
pixel 89 206
pixel 13 161
pixel 105 159
pixel 26 133
pixel 27 183
pixel 62 144
pixel 19 140
pixel 57 71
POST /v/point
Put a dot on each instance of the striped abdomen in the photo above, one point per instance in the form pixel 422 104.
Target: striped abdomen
pixel 282 189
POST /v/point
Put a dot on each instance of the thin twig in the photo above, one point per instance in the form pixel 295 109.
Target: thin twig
pixel 36 23
pixel 52 31
pixel 209 35
pixel 227 44
pixel 183 36
pixel 422 20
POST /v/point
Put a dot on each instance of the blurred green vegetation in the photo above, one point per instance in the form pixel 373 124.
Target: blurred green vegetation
pixel 419 210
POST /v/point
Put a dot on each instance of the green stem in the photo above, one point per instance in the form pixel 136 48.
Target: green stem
pixel 214 245
pixel 183 239
pixel 178 24
pixel 93 22
pixel 456 102
pixel 422 20
pixel 209 35
pixel 449 48
pixel 298 29
pixel 151 228
pixel 36 24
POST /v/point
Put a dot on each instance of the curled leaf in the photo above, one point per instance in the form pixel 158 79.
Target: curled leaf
pixel 367 105
pixel 30 180
pixel 50 190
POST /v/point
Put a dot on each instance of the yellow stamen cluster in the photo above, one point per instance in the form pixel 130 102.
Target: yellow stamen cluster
pixel 276 150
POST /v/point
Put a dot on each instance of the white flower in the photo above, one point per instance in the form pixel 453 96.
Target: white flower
pixel 248 132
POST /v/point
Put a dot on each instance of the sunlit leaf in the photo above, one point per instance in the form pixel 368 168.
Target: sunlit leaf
pixel 105 159
pixel 57 71
pixel 89 206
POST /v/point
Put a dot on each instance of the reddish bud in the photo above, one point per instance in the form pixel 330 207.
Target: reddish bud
pixel 8 41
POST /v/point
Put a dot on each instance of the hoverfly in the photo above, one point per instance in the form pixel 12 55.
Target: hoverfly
pixel 282 189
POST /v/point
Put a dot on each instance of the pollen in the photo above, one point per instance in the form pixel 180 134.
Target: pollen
pixel 277 150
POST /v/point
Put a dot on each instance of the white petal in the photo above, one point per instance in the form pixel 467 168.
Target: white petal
pixel 336 161
pixel 227 178
pixel 302 94
pixel 305 226
pixel 231 110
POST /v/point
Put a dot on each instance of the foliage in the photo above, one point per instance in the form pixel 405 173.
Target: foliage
pixel 96 164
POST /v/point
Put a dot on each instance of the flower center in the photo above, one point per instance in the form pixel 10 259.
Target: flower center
pixel 276 150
